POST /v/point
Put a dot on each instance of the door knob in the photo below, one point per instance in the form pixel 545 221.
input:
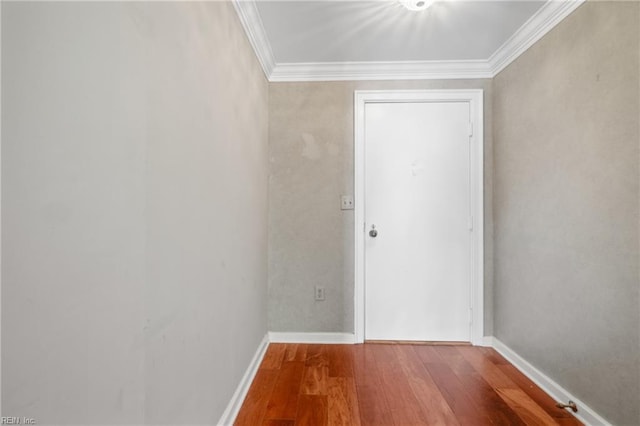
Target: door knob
pixel 373 233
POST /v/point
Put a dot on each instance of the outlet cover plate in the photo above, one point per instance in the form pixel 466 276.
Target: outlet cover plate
pixel 346 202
pixel 319 293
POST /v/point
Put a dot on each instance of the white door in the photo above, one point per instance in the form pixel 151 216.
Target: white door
pixel 417 196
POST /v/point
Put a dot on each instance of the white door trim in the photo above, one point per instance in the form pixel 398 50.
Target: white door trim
pixel 475 99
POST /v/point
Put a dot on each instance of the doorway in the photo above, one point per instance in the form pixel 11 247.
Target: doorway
pixel 418 215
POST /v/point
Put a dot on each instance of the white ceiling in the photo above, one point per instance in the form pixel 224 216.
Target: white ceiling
pixel 374 39
pixel 355 31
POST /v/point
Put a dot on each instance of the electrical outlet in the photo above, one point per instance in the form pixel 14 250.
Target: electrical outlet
pixel 319 293
pixel 346 202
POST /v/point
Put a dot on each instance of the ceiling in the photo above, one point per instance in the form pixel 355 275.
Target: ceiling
pixel 379 39
pixel 332 31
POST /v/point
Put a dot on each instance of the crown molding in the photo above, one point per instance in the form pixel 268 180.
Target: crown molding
pixel 543 21
pixel 400 70
pixel 250 19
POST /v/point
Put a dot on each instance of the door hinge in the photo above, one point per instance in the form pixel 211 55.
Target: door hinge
pixel 470 223
pixel 470 128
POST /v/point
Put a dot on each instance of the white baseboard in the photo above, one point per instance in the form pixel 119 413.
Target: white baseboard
pixel 233 408
pixel 557 392
pixel 325 338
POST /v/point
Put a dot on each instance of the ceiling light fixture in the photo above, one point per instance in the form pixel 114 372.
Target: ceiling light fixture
pixel 416 5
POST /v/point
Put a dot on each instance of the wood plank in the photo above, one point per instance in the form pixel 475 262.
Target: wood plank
pixel 538 395
pixel 526 408
pixel 314 381
pixel 454 359
pixel 428 354
pixel 365 368
pixel 372 403
pixel 312 411
pixel 454 392
pixel 519 401
pixel 317 356
pixel 283 403
pixel 383 354
pixel 493 356
pixel 373 406
pixel 483 395
pixel 410 363
pixel 386 360
pixel 488 400
pixel 488 370
pixel 296 352
pixel 340 359
pixel 404 406
pixel 343 402
pixel 278 422
pixel 435 407
pixel 274 356
pixel 255 403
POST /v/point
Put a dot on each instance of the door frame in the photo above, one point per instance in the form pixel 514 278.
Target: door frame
pixel 476 152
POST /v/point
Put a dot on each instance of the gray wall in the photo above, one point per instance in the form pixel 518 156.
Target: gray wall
pixel 134 211
pixel 311 164
pixel 566 212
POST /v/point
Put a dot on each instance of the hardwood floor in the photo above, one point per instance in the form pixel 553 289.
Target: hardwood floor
pixel 393 385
